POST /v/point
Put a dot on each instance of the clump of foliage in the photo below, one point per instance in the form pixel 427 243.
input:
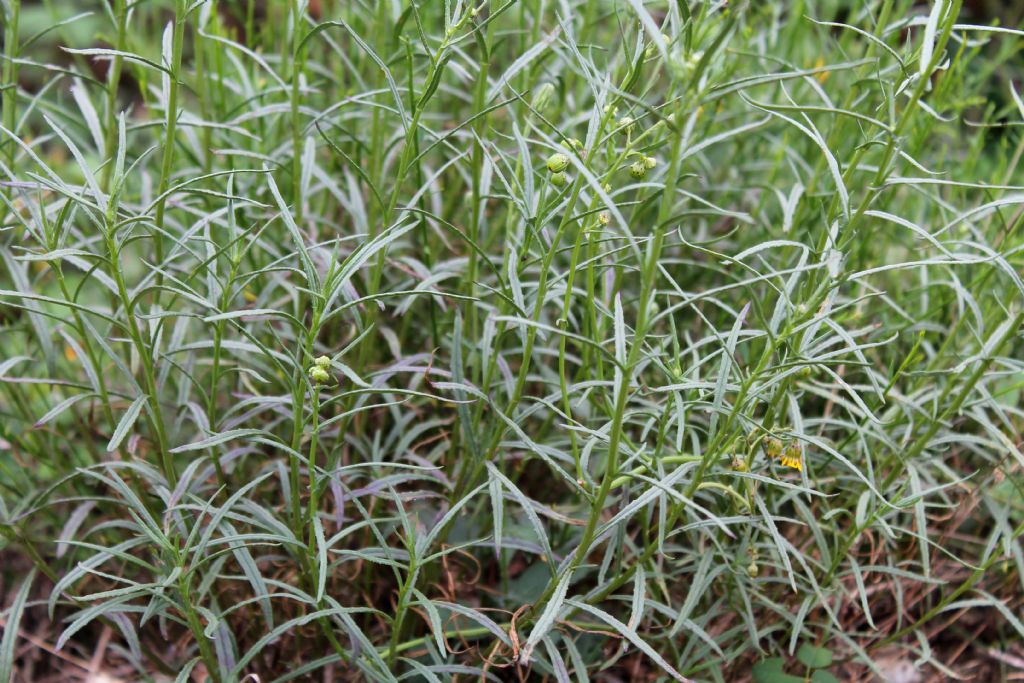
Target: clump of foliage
pixel 448 340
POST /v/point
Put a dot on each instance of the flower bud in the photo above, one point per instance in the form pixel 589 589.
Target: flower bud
pixel 638 169
pixel 772 447
pixel 559 179
pixel 323 362
pixel 625 125
pixel 604 218
pixel 753 570
pixel 650 162
pixel 572 144
pixel 543 96
pixel 683 65
pixel 558 162
pixel 670 119
pixel 319 375
pixel 652 48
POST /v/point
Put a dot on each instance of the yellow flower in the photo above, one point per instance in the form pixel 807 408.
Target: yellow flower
pixel 823 76
pixel 791 457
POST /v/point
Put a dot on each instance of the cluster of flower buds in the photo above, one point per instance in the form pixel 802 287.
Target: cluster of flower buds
pixel 639 168
pixel 752 569
pixel 790 455
pixel 318 371
pixel 557 163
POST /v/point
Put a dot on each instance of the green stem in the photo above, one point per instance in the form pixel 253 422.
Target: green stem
pixel 170 133
pixel 113 85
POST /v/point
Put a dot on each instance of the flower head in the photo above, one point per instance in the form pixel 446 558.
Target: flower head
pixel 558 162
pixel 791 456
pixel 772 447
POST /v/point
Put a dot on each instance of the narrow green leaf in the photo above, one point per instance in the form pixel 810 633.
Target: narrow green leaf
pixel 126 422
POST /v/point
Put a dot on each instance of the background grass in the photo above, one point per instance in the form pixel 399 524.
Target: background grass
pixel 572 340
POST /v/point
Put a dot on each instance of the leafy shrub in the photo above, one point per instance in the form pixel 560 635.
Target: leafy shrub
pixel 570 339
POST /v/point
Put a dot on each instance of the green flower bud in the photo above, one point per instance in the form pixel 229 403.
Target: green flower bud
pixel 652 49
pixel 323 362
pixel 650 162
pixel 625 125
pixel 753 570
pixel 558 162
pixel 542 96
pixel 604 218
pixel 319 375
pixel 638 169
pixel 683 64
pixel 772 447
pixel 559 179
pixel 572 144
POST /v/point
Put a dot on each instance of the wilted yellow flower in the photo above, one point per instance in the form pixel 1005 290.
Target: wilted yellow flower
pixel 791 457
